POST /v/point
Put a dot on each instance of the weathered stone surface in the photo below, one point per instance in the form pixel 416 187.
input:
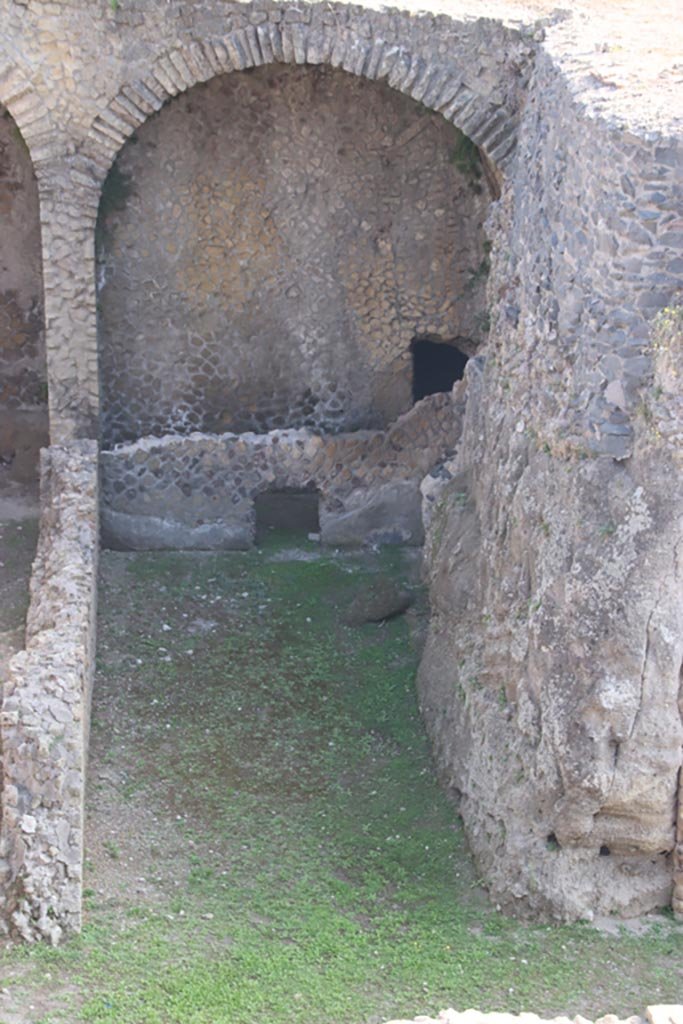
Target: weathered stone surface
pixel 274 272
pixel 664 1014
pixel 122 531
pixel 46 707
pixel 383 600
pixel 654 1014
pixel 198 491
pixel 388 513
pixel 551 676
pixel 23 383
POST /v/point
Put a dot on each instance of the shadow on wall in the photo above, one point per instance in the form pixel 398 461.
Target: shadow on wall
pixel 23 380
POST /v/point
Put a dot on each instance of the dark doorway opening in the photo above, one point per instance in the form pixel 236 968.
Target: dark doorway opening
pixel 290 510
pixel 436 367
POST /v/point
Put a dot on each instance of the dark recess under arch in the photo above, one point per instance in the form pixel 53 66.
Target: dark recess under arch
pixel 437 365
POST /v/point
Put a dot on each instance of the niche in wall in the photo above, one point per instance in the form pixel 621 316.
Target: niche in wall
pixel 436 366
pixel 270 243
pixel 290 510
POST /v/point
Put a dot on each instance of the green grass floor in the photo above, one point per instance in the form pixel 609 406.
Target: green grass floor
pixel 266 838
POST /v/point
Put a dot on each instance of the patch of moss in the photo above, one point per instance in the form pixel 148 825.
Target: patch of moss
pixel 466 157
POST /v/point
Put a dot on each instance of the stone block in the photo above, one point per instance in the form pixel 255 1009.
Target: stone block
pixel 126 532
pixel 388 514
pixel 665 1014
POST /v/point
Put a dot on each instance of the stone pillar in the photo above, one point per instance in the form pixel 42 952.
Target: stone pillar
pixel 69 200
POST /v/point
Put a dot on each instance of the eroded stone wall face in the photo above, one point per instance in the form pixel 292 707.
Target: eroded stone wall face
pixel 550 680
pixel 553 663
pixel 23 386
pixel 46 708
pixel 270 244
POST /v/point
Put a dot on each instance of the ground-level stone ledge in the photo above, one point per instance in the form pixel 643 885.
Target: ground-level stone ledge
pixel 653 1015
pixel 46 708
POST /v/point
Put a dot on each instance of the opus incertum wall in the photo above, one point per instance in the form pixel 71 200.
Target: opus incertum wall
pixel 45 718
pixel 199 491
pixel 269 245
pixel 552 671
pixel 134 61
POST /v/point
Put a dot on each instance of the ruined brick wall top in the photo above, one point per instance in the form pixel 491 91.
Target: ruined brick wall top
pixel 97 72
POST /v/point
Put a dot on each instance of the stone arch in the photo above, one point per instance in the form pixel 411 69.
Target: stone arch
pixel 477 84
pixel 473 73
pixel 27 109
pixel 490 124
pixel 284 306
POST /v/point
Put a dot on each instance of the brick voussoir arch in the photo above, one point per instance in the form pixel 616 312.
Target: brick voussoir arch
pixel 489 124
pixel 27 109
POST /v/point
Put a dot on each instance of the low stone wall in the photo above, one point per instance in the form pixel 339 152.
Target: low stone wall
pixel 198 491
pixel 46 707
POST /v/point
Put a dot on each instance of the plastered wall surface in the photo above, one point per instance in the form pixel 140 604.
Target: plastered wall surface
pixel 271 243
